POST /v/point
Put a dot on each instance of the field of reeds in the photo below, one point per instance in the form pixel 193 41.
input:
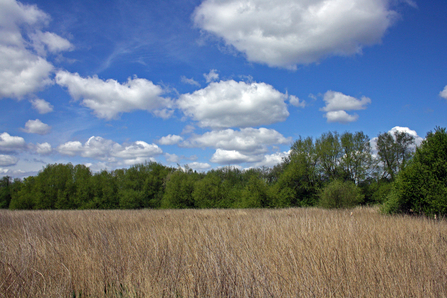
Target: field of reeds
pixel 221 253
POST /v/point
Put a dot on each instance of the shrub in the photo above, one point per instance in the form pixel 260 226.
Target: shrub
pixel 339 194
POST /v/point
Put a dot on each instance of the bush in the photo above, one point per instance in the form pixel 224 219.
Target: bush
pixel 339 194
pixel 422 186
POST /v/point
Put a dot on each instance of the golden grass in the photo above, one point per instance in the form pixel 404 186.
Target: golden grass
pixel 221 253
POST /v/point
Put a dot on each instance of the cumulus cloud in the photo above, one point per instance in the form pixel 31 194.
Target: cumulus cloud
pixel 172 158
pixel 233 157
pixel 235 104
pixel 247 140
pixel 48 41
pixel 170 140
pixel 22 71
pixel 417 139
pixel 295 101
pixel 8 160
pixel 285 33
pixel 37 127
pixel 10 143
pixel 340 117
pixel 271 160
pixel 110 98
pixel 108 150
pixel 443 93
pixel 199 166
pixel 211 76
pixel 338 103
pixel 42 106
pixel 44 148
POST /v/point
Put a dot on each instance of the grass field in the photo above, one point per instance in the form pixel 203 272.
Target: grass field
pixel 221 253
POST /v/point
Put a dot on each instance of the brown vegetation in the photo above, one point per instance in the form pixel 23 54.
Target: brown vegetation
pixel 221 253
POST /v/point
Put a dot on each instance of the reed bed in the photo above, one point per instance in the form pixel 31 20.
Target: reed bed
pixel 221 253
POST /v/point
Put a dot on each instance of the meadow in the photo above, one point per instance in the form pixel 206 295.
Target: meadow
pixel 296 252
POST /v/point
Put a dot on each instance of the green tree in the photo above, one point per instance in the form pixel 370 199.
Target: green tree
pixel 255 194
pixel 356 160
pixel 329 153
pixel 422 186
pixel 5 192
pixel 105 191
pixel 82 178
pixel 208 192
pixel 24 195
pixel 394 152
pixel 179 189
pixel 299 183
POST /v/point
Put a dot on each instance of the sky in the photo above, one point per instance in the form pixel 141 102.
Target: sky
pixel 211 83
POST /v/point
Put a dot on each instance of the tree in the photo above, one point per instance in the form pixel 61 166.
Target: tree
pixel 208 192
pixel 356 159
pixel 394 152
pixel 422 186
pixel 179 189
pixel 5 192
pixel 329 153
pixel 299 183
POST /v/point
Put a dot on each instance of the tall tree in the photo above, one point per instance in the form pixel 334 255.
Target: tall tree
pixel 356 160
pixel 422 186
pixel 5 192
pixel 394 151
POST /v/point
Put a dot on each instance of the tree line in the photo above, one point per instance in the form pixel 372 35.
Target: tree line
pixel 331 171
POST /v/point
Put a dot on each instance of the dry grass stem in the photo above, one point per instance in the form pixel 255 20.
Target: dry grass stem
pixel 221 253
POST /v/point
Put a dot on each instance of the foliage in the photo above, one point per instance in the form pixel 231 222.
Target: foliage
pixel 313 168
pixel 5 192
pixel 339 194
pixel 179 190
pixel 422 186
pixel 394 151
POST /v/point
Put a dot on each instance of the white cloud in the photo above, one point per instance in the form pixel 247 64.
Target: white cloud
pixel 338 103
pixel 42 106
pixel 10 143
pixel 295 101
pixel 43 41
pixel 8 160
pixel 110 98
pixel 340 117
pixel 44 148
pixel 37 127
pixel 170 140
pixel 189 81
pixel 21 70
pixel 417 139
pixel 199 166
pixel 248 140
pixel 136 149
pixel 443 93
pixel 285 33
pixel 271 160
pixel 188 129
pixel 233 157
pixel 172 158
pixel 211 76
pixel 107 150
pixel 235 104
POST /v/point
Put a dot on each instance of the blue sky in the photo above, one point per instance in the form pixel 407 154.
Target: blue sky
pixel 211 83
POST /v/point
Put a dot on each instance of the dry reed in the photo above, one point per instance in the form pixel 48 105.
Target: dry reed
pixel 221 253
